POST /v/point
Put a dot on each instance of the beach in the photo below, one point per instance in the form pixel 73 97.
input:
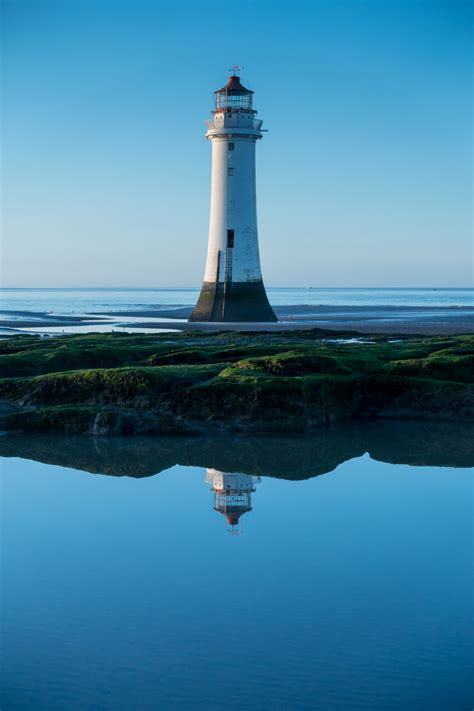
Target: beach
pixel 403 311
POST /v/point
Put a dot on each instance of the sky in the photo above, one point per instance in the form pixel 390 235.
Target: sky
pixel 363 179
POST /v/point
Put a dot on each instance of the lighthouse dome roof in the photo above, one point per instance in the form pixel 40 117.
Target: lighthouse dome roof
pixel 234 86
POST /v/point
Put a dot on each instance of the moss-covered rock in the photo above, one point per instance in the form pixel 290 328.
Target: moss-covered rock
pixel 242 382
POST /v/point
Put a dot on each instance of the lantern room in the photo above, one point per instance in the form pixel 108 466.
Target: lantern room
pixel 234 96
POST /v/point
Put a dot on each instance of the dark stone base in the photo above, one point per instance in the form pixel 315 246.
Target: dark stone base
pixel 233 302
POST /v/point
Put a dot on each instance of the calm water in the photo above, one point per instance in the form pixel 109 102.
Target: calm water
pixel 67 301
pixel 348 585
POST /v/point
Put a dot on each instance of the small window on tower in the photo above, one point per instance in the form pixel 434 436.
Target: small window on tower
pixel 231 146
pixel 230 171
pixel 230 239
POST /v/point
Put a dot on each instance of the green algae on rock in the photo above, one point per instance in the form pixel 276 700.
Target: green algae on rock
pixel 195 383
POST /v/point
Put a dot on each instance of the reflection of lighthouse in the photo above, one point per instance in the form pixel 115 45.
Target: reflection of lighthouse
pixel 232 493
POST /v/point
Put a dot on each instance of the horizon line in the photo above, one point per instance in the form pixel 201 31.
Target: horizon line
pixel 177 288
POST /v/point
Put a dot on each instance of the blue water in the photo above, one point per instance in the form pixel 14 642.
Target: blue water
pixel 351 590
pixel 67 301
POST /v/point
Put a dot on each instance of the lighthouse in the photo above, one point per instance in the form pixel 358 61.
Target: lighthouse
pixel 233 289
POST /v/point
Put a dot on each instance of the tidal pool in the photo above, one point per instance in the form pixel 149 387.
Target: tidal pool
pixel 331 572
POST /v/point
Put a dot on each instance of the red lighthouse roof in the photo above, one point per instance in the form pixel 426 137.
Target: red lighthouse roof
pixel 234 516
pixel 234 86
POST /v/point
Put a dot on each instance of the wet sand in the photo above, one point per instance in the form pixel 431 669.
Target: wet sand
pixel 363 319
pixel 393 328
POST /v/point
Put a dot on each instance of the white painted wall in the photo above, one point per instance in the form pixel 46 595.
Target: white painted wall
pixel 233 197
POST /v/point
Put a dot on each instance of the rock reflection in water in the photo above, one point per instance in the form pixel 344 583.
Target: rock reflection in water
pixel 234 465
pixel 446 444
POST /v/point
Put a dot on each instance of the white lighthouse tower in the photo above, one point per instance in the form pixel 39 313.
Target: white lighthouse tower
pixel 233 288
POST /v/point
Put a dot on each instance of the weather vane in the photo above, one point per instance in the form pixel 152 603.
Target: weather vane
pixel 235 68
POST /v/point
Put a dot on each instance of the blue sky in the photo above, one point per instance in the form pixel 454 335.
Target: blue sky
pixel 363 178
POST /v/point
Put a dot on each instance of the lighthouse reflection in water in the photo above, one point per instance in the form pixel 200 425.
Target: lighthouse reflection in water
pixel 232 494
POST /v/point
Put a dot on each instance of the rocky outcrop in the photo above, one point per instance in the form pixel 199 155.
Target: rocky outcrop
pixel 287 383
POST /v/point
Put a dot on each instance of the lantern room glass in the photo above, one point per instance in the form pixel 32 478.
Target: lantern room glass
pixel 229 100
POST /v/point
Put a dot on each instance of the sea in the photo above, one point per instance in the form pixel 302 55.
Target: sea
pixel 82 301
